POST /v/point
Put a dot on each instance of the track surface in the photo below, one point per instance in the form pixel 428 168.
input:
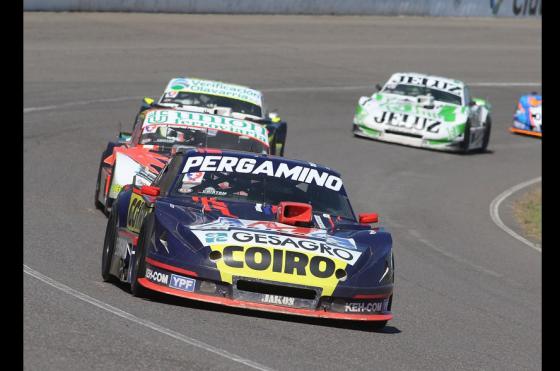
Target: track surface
pixel 468 296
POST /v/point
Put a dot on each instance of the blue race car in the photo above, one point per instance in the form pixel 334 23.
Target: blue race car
pixel 528 117
pixel 253 231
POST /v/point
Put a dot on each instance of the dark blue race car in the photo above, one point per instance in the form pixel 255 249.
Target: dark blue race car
pixel 252 231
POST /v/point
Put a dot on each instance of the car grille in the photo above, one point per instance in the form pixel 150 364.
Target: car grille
pixel 271 289
pixel 403 134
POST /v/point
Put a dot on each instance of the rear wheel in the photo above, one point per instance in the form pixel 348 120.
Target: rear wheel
pixel 467 137
pixel 109 201
pixel 139 267
pixel 109 247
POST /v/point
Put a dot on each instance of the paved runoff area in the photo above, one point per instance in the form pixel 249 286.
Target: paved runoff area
pixel 467 294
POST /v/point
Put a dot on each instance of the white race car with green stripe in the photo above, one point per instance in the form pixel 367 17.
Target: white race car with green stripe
pixel 424 111
pixel 224 99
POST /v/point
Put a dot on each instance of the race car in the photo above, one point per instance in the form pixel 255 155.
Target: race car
pixel 528 117
pixel 216 97
pixel 251 231
pixel 425 111
pixel 144 153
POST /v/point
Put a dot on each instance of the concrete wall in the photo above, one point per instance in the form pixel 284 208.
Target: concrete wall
pixel 459 8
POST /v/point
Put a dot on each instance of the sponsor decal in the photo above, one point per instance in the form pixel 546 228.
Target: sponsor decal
pixel 217 237
pixel 429 82
pixel 182 283
pixel 213 191
pixel 156 276
pixel 114 190
pixel 407 121
pixel 269 168
pixel 319 235
pixel 205 121
pixel 535 114
pixel 277 262
pixel 210 203
pixel 325 249
pixel 366 306
pixel 216 88
pixel 277 299
pixel 262 250
pixel 137 211
pixel 394 105
pixel 519 7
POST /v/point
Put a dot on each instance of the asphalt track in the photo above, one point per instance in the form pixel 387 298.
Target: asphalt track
pixel 467 296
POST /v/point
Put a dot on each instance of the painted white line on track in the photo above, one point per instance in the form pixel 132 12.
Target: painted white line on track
pixel 500 84
pixel 457 258
pixel 269 90
pixel 495 212
pixel 79 103
pixel 143 322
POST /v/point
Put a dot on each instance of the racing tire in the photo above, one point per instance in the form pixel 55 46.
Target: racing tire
pixel 139 267
pixel 487 132
pixel 109 247
pixel 467 140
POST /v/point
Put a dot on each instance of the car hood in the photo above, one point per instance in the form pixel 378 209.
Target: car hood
pixel 405 113
pixel 241 233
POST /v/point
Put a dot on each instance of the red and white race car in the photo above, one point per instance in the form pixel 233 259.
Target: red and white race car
pixel 139 157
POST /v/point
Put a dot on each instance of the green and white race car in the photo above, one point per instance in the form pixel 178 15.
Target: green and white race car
pixel 219 98
pixel 425 111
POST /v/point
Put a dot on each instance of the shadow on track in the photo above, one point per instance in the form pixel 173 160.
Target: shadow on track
pixel 452 153
pixel 193 304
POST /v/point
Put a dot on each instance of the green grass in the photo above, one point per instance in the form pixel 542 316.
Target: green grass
pixel 528 212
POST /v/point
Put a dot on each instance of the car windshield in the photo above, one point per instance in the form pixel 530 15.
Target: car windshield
pixel 415 90
pixel 212 101
pixel 170 135
pixel 263 189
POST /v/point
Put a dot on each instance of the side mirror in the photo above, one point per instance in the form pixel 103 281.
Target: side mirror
pixel 273 116
pixel 378 87
pixel 294 213
pixel 149 191
pixel 368 218
pixel 124 136
pixel 148 101
pixel 472 103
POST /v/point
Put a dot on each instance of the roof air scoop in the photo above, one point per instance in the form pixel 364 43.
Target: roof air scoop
pixel 294 213
pixel 222 111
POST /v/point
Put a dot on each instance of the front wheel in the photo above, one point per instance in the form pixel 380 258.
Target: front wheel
pixel 139 267
pixel 109 247
pixel 487 132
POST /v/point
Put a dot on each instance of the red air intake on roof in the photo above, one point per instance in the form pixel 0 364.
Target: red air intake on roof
pixel 294 213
